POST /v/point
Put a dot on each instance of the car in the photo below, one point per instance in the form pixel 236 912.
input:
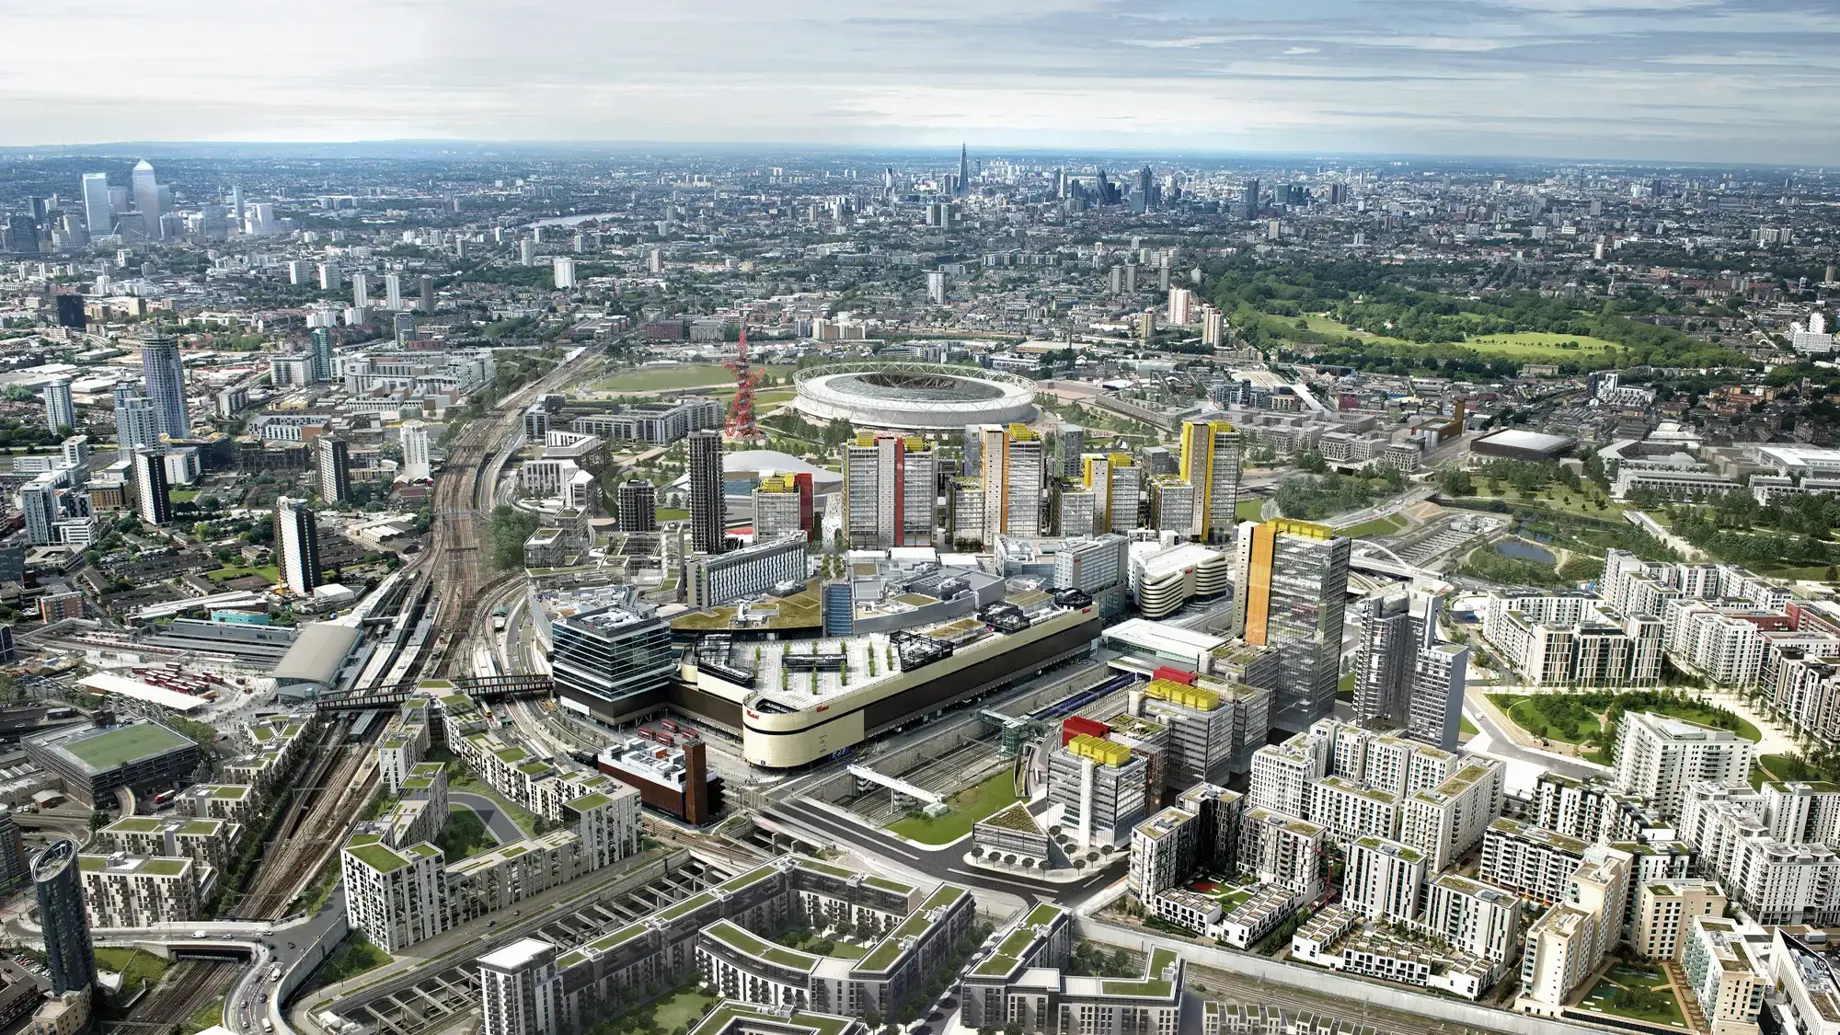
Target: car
pixel 201 934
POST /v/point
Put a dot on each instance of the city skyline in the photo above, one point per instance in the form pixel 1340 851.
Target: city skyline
pixel 1656 80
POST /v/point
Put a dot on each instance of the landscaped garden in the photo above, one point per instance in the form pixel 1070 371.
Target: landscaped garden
pixel 1590 718
pixel 962 810
pixel 1639 993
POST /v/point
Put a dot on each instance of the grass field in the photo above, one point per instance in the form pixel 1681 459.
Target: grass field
pixel 660 379
pixel 681 1009
pixel 354 956
pixel 966 807
pixel 1467 727
pixel 268 571
pixel 465 834
pixel 1782 767
pixel 670 514
pixel 132 964
pixel 1250 510
pixel 1379 526
pixel 1541 346
pixel 108 750
pixel 1324 324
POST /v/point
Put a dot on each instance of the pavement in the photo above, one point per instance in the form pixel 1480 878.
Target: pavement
pixel 497 822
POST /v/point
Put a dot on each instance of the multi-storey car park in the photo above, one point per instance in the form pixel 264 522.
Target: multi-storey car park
pixel 93 761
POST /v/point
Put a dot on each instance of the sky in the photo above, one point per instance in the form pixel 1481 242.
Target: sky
pixel 1725 81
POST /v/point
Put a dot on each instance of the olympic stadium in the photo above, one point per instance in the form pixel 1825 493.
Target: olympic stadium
pixel 904 396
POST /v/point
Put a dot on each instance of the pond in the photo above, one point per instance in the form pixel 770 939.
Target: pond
pixel 1526 532
pixel 1522 551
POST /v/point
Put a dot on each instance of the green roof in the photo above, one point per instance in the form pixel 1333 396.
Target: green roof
pixel 1042 914
pixel 748 879
pixel 688 905
pixel 135 825
pixel 825 868
pixel 617 938
pixel 889 885
pixel 164 867
pixel 201 828
pixel 1153 989
pixel 589 801
pixel 729 1011
pixel 733 936
pixel 945 896
pixel 375 855
pixel 126 744
pixel 231 790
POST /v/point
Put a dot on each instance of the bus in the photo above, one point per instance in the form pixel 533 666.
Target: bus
pixel 498 618
pixel 164 798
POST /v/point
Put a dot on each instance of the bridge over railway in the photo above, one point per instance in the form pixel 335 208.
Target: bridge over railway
pixel 479 688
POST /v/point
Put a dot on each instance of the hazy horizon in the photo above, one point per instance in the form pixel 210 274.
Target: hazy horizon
pixel 1721 82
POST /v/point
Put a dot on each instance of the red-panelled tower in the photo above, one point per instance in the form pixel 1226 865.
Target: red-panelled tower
pixel 741 410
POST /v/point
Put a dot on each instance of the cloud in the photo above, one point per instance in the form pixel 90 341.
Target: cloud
pixel 1730 80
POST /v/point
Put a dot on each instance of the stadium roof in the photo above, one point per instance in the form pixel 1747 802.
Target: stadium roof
pixel 317 655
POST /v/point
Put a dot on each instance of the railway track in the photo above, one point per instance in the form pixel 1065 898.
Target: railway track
pixel 187 988
pixel 315 823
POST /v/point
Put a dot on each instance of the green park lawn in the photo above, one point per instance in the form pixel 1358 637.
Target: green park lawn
pixel 1384 525
pixel 659 379
pixel 268 571
pixel 1541 345
pixel 1250 510
pixel 1520 709
pixel 670 514
pixel 1323 323
pixel 965 808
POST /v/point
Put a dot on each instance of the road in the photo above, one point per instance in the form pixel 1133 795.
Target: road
pixel 496 821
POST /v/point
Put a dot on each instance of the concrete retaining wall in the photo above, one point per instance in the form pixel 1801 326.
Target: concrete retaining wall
pixel 1328 982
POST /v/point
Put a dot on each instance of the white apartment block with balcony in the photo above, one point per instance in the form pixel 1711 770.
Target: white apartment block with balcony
pixel 1768 868
pixel 1565 945
pixel 1382 879
pixel 1448 821
pixel 123 890
pixel 1660 758
pixel 1727 967
pixel 1474 917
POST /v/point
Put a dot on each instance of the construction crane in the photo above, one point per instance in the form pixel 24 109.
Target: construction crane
pixel 741 409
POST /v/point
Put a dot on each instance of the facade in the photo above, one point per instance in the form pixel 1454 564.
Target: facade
pixel 152 500
pixel 1449 821
pixel 164 379
pixel 60 409
pixel 638 503
pixel 1528 861
pixel 708 507
pixel 416 464
pixel 604 657
pixel 139 891
pixel 1292 581
pixel 519 989
pixel 1103 786
pixel 782 507
pixel 1661 758
pixel 1211 453
pixel 1382 879
pixel 1664 913
pixel 1475 918
pixel 297 546
pixel 888 491
pixel 712 580
pixel 332 467
pixel 668 767
pixel 1566 944
pixel 70 958
pixel 1727 969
